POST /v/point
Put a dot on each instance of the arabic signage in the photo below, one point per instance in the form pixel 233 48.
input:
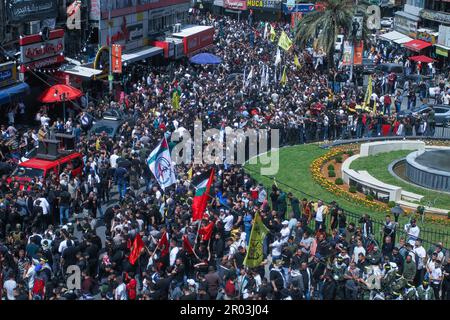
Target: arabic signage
pixel 117 58
pixel 30 10
pixel 264 4
pixel 437 16
pixel 34 50
pixel 299 7
pixel 8 74
pixel 235 4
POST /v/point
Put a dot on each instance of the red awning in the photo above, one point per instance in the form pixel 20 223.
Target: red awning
pixel 417 45
pixel 422 58
pixel 59 93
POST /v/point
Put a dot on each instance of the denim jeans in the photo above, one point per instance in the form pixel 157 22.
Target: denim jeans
pixel 122 189
pixel 63 213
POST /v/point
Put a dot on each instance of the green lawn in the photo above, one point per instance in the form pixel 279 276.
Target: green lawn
pixel 377 166
pixel 294 172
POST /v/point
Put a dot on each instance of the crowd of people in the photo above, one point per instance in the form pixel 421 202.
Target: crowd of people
pixel 92 221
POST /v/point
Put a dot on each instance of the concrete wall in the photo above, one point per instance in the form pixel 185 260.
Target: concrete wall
pixel 372 148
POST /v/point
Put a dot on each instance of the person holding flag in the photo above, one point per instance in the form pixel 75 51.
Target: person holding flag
pixel 255 255
pixel 160 164
pixel 284 42
pixel 202 189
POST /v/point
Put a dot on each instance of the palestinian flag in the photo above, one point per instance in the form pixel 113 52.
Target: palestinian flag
pixel 202 188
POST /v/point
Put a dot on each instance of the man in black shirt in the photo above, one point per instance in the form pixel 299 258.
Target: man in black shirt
pixel 277 279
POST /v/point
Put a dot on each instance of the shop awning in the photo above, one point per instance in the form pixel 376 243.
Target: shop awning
pixel 403 40
pixel 141 54
pixel 83 71
pixel 391 36
pixel 421 58
pixel 417 45
pixel 407 16
pixel 7 94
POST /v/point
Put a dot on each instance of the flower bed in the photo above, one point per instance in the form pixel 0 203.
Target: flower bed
pixel 329 184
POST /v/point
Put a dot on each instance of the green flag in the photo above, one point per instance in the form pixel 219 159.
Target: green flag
pixel 254 255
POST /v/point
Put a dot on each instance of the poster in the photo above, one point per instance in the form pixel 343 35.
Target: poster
pixel 116 58
pixel 31 10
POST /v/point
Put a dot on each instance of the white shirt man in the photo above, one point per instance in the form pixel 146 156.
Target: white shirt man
pixel 413 232
pixel 276 248
pixel 358 249
pixel 320 211
pixel 44 205
pixel 113 160
pixel 173 255
pixel 421 253
pixel 9 286
pixel 228 222
pixel 285 231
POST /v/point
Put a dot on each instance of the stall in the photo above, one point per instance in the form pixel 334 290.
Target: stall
pixel 195 38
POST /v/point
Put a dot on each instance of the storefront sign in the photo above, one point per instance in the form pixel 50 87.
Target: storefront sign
pixel 299 7
pixel 437 16
pixel 35 49
pixel 264 4
pixel 30 10
pixel 441 52
pixel 405 26
pixel 218 3
pixel 94 12
pixel 444 36
pixel 117 58
pixel 358 53
pixel 126 7
pixel 8 74
pixel 235 4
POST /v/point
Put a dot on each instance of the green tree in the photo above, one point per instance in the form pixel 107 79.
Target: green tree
pixel 334 18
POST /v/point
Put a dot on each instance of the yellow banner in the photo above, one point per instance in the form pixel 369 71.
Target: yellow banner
pixel 284 41
pixel 272 33
pixel 254 255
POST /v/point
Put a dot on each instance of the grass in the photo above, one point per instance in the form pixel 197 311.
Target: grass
pixel 377 166
pixel 295 173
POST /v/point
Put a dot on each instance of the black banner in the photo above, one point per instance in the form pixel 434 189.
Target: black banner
pixel 30 10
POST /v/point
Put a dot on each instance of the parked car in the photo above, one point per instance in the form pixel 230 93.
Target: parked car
pixel 441 113
pixel 387 22
pixel 111 122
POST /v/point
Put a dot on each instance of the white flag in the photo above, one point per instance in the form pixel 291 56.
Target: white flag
pixel 266 82
pixel 263 75
pixel 266 30
pixel 161 165
pixel 278 57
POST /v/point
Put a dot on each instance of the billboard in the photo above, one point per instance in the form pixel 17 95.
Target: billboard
pixel 36 52
pixel 116 58
pixel 8 74
pixel 31 10
pixel 235 4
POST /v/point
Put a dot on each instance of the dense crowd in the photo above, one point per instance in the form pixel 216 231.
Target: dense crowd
pixel 311 252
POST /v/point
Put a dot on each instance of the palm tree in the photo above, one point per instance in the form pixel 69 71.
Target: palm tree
pixel 335 15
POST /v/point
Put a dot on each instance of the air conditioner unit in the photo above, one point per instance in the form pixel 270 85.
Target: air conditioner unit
pixel 33 27
pixel 177 27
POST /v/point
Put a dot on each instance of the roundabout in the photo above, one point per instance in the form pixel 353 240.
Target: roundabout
pixel 303 171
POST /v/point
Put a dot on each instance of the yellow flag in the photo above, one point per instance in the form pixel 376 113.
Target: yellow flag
pixel 272 33
pixel 189 174
pixel 368 95
pixel 284 41
pixel 176 100
pixel 259 231
pixel 296 62
pixel 284 77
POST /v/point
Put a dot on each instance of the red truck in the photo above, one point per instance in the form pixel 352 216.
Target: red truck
pixel 41 168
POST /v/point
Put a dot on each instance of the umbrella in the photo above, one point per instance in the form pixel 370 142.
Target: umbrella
pixel 205 58
pixel 421 58
pixel 60 93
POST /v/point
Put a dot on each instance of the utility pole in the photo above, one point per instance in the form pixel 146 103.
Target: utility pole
pixel 110 75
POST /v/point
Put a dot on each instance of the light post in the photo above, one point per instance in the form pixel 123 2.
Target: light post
pixel 110 76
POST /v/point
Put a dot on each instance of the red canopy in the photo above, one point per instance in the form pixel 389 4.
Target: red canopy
pixel 59 93
pixel 422 58
pixel 416 45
